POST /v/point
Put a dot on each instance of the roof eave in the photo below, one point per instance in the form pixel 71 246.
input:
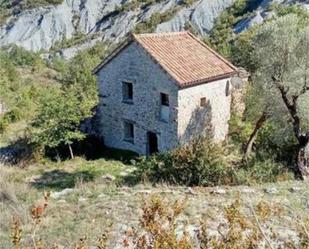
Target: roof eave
pixel 207 80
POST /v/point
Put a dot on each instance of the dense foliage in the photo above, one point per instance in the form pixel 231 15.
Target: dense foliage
pixel 281 50
pixel 52 98
pixel 203 163
pixel 19 94
pixel 238 46
pixel 58 118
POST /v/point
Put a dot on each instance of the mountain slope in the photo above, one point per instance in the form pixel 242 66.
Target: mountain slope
pixel 78 24
pixel 40 28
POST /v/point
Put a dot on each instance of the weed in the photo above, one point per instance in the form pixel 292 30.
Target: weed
pixel 158 223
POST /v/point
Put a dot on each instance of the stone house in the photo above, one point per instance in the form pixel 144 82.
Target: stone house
pixel 158 91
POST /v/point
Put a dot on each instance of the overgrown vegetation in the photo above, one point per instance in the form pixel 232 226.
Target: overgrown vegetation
pixel 150 24
pixel 135 4
pixel 143 4
pixel 260 148
pixel 203 163
pixel 19 94
pixel 47 101
pixel 158 229
pixel 237 47
pixel 48 95
pixel 77 39
pixel 222 35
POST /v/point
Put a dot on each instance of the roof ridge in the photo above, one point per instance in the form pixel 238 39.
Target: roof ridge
pixel 160 34
pixel 187 58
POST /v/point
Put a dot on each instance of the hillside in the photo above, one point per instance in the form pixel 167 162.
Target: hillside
pixel 40 28
pixel 42 25
pixel 62 188
pixel 86 200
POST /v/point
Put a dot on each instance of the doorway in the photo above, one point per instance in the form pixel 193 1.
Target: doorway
pixel 152 143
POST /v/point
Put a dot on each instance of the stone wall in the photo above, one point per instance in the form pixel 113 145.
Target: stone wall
pixel 187 118
pixel 193 119
pixel 133 64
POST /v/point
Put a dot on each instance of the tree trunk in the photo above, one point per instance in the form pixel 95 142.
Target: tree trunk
pixel 71 151
pixel 302 138
pixel 58 156
pixel 303 156
pixel 258 126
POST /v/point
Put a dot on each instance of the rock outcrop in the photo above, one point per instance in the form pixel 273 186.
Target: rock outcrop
pixel 39 29
pixel 263 11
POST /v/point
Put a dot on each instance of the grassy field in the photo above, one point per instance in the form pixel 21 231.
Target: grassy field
pixel 96 197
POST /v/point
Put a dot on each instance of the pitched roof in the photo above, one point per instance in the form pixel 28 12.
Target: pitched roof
pixel 184 57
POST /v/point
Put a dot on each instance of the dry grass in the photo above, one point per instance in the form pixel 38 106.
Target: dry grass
pixel 97 204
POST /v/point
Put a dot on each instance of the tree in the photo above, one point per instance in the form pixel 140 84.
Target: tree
pixel 282 77
pixel 61 112
pixel 58 120
pixel 79 71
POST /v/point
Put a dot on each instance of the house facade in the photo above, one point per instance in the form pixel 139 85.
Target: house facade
pixel 158 91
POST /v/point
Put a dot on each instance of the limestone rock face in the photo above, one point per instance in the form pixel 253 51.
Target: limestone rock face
pixel 263 12
pixel 39 29
pixel 201 15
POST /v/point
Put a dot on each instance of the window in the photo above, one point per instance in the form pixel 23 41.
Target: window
pixel 228 88
pixel 128 131
pixel 127 92
pixel 164 107
pixel 164 99
pixel 203 102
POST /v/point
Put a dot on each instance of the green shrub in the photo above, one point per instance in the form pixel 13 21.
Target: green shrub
pixel 156 18
pixel 21 57
pixel 258 171
pixel 4 123
pixel 199 163
pixel 222 35
pixel 239 130
pixel 9 117
pixel 282 10
pixel 204 163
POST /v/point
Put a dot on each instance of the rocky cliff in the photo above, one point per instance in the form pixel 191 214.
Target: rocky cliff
pixel 40 28
pixel 110 20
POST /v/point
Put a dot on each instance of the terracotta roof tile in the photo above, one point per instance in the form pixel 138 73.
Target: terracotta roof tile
pixel 184 57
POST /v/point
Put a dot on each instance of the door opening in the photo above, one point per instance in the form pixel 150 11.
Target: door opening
pixel 152 142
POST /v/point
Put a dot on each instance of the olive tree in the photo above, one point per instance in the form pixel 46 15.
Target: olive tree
pixel 281 50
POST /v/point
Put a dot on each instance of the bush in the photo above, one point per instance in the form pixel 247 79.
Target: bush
pixel 261 171
pixel 21 57
pixel 9 117
pixel 203 163
pixel 222 35
pixel 199 163
pixel 155 19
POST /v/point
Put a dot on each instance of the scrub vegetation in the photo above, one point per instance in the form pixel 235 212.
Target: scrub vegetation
pixel 67 190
